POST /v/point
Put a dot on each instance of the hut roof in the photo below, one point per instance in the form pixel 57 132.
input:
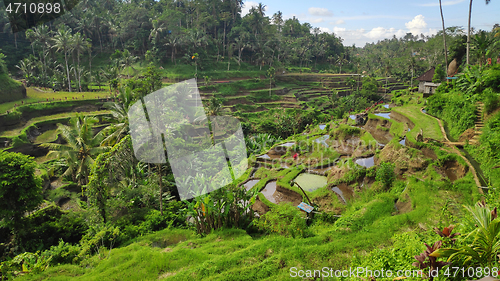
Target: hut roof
pixel 427 76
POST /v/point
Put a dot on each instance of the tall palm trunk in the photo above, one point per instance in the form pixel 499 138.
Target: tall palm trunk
pixel 444 38
pixel 74 70
pixel 67 69
pixel 161 190
pixel 79 73
pixel 468 32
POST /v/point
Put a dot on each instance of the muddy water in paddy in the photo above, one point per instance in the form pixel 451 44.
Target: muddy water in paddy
pixel 288 144
pixel 251 183
pixel 322 140
pixel 269 191
pixel 311 182
pixel 343 191
pixel 267 156
pixel 384 115
pixel 366 162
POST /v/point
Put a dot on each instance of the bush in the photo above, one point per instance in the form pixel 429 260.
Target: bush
pixel 100 237
pixel 45 227
pixel 284 219
pixel 27 262
pixel 385 174
pixel 62 253
pixel 490 100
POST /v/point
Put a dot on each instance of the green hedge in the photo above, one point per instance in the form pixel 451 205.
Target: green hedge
pixel 10 89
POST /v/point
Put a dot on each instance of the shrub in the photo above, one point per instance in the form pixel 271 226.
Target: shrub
pixel 62 253
pixel 100 237
pixel 490 100
pixel 27 262
pixel 284 219
pixel 385 174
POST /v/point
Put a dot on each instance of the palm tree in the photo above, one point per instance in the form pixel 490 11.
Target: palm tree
pixel 43 36
pixel 155 33
pixel 173 42
pixel 30 35
pixel 81 149
pixel 62 42
pixel 110 73
pixel 26 68
pixel 127 61
pixel 79 45
pixel 119 110
pixel 468 32
pixel 444 38
pixel 468 28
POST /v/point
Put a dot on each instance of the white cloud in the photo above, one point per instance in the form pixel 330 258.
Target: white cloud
pixel 379 33
pixel 445 3
pixel 418 25
pixel 325 29
pixel 245 9
pixel 316 20
pixel 320 12
pixel 369 17
pixel 340 22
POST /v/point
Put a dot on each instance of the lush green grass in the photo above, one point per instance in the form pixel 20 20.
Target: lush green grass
pixel 38 96
pixel 48 136
pixel 369 224
pixel 10 89
pixel 429 125
pixel 17 131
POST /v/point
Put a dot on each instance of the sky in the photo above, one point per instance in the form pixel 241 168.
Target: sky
pixel 366 21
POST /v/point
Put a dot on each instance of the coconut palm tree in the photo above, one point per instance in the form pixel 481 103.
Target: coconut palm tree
pixel 120 125
pixel 79 45
pixel 63 42
pixel 81 149
pixel 444 38
pixel 43 37
pixel 468 28
pixel 127 61
pixel 173 42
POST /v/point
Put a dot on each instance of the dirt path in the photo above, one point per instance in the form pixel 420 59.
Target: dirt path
pixel 452 146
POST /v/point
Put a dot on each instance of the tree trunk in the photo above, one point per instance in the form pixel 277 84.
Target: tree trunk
pixel 161 190
pixel 74 70
pixel 79 73
pixel 67 69
pixel 444 39
pixel 468 32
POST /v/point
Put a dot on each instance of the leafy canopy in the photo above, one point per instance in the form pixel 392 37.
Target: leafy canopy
pixel 20 188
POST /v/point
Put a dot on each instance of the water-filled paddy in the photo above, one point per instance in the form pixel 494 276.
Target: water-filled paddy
pixel 366 162
pixel 269 191
pixel 383 115
pixel 310 182
pixel 251 183
pixel 322 140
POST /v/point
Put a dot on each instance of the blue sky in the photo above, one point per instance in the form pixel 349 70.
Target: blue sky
pixel 364 21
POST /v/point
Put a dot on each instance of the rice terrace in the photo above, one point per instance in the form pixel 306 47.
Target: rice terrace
pixel 295 154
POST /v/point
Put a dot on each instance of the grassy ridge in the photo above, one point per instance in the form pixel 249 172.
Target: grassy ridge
pixel 231 254
pixel 10 89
